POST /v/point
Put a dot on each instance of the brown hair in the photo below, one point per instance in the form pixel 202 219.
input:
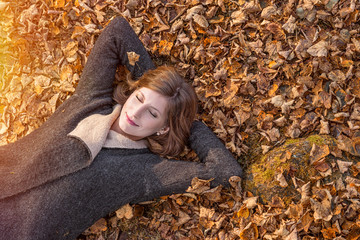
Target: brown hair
pixel 182 107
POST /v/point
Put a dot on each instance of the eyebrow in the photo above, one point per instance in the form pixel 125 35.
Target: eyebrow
pixel 150 106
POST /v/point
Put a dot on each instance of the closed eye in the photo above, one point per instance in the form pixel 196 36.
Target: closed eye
pixel 153 114
pixel 138 98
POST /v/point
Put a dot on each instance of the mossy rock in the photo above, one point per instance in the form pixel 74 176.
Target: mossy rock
pixel 292 159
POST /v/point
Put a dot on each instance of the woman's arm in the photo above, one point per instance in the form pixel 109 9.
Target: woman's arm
pixel 110 50
pixel 213 153
pixel 164 177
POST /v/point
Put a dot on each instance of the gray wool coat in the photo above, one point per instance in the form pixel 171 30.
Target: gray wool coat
pixel 51 188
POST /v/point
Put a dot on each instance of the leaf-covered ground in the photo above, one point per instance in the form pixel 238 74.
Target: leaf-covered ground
pixel 264 70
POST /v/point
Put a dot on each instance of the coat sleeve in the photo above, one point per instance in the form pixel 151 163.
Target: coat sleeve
pixel 164 176
pixel 109 51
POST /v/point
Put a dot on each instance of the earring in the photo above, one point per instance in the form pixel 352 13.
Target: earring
pixel 157 133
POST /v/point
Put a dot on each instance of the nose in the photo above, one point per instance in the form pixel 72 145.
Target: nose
pixel 137 111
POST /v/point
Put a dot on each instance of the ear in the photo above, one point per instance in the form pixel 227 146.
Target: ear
pixel 164 130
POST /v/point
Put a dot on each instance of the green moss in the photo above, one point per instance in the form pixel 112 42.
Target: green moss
pixel 317 139
pixel 265 170
pixel 292 141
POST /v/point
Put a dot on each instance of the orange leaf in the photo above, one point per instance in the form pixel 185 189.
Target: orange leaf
pixel 55 30
pixel 318 152
pixel 210 40
pixel 78 31
pixel 273 90
pixel 250 232
pixel 242 213
pixel 165 47
pixel 59 3
pixel 65 19
pixel 98 226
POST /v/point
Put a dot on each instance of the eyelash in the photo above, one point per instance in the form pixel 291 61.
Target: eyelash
pixel 152 114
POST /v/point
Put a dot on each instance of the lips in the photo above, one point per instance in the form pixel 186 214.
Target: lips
pixel 131 122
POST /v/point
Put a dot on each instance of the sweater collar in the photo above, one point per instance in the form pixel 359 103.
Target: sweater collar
pixel 94 131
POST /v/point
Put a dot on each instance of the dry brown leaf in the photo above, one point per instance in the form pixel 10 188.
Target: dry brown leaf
pixel 133 58
pixel 201 20
pixel 319 49
pixel 343 165
pixel 268 12
pixel 276 30
pixel 294 50
pixel 192 11
pixel 251 202
pixel 99 226
pixel 322 210
pixel 318 152
pixel 125 211
pixel 290 25
pixel 238 17
pixel 183 218
pixel 282 181
pixel 198 186
pixel 213 194
pixel 250 232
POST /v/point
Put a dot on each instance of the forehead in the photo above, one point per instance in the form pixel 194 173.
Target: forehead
pixel 155 99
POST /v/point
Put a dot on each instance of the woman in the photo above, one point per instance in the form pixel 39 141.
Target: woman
pixel 91 157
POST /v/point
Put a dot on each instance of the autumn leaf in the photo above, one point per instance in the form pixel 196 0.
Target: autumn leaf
pixel 78 31
pixel 59 3
pixel 99 226
pixel 276 30
pixel 250 232
pixel 198 185
pixel 343 166
pixel 263 74
pixel 133 58
pixel 125 211
pixel 318 152
pixel 319 49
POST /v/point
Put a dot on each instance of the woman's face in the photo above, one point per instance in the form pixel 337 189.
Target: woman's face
pixel 143 114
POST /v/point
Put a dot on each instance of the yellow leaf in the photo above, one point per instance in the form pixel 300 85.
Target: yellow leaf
pixel 38 89
pixel 3 128
pixel 272 64
pixel 70 49
pixel 2 109
pixel 273 90
pixel 165 47
pixel 66 73
pixel 243 212
pixel 59 3
pixel 212 91
pixel 65 19
pixel 78 31
pixel 18 127
pixel 346 63
pixel 55 30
